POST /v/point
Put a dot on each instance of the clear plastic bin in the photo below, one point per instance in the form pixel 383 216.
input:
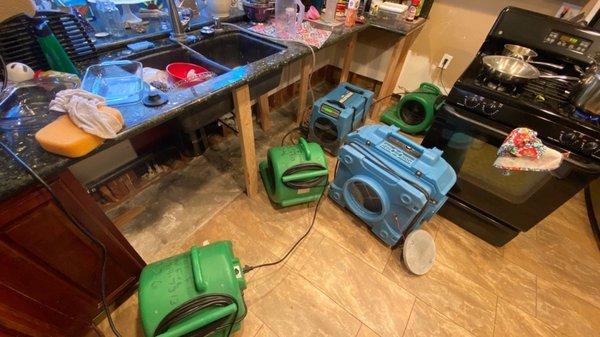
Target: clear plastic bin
pixel 120 82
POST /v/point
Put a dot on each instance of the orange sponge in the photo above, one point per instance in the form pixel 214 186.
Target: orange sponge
pixel 65 138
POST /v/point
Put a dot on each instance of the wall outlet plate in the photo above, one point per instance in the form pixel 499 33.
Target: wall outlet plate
pixel 445 61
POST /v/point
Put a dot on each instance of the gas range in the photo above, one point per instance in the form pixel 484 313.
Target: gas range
pixel 541 104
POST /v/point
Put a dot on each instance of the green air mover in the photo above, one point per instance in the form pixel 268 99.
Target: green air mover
pixel 294 174
pixel 196 293
pixel 415 111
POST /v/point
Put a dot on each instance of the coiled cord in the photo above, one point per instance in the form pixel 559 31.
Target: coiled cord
pixel 197 304
pixel 306 183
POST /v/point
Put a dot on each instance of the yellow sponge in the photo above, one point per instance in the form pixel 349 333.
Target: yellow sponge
pixel 65 138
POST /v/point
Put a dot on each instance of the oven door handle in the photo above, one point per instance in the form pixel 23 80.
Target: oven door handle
pixel 591 168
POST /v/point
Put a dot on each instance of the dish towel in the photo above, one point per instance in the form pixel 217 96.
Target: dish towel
pixel 82 107
pixel 522 150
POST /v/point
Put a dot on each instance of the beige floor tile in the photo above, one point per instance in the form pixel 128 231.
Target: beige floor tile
pixel 305 250
pixel 297 308
pixel 351 233
pixel 450 293
pixel 265 331
pixel 513 322
pixel 250 326
pixel 249 245
pixel 366 332
pixel 566 313
pixel 483 264
pixel 560 260
pixel 427 322
pixel 127 319
pixel 368 295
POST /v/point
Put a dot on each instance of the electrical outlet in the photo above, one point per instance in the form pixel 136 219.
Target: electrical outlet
pixel 445 61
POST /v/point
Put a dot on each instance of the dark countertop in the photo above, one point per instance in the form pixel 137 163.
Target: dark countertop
pixel 139 118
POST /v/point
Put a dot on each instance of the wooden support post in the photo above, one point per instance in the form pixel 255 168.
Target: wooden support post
pixel 264 113
pixel 304 78
pixel 401 49
pixel 348 55
pixel 243 120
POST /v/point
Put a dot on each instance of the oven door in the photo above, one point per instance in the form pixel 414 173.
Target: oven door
pixel 517 199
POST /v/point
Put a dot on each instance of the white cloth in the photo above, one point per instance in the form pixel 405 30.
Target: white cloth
pixel 82 107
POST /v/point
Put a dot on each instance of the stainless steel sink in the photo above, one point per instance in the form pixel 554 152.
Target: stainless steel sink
pixel 223 53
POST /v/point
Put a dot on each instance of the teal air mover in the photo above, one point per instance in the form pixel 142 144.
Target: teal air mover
pixel 294 174
pixel 198 293
pixel 415 111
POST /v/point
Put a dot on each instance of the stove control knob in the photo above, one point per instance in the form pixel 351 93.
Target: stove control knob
pixel 472 101
pixel 589 147
pixel 568 138
pixel 491 108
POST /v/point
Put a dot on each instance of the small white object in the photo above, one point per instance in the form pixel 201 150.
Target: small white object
pixel 18 72
pixel 393 7
pixel 101 34
pixel 418 252
pixel 445 61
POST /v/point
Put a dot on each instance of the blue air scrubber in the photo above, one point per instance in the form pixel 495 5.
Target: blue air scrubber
pixel 390 182
pixel 337 114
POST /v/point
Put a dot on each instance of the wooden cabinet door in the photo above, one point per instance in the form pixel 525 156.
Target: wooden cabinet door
pixel 50 269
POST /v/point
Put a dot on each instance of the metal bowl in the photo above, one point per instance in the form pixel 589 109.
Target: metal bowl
pixel 520 52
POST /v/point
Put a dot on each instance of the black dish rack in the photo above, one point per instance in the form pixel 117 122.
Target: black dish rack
pixel 18 42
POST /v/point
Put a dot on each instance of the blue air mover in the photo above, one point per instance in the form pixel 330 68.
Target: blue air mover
pixel 389 181
pixel 337 114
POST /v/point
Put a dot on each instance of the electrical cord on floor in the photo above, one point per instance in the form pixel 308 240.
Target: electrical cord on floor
pixel 248 268
pixel 81 228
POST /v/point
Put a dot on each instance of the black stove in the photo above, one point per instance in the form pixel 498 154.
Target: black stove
pixel 479 112
pixel 541 104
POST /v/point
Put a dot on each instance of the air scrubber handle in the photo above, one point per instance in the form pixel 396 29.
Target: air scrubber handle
pixel 200 320
pixel 197 270
pixel 304 175
pixel 304 145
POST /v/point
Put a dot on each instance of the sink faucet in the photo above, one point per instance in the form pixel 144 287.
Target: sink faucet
pixel 178 27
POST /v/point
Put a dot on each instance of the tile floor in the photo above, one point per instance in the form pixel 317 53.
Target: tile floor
pixel 341 281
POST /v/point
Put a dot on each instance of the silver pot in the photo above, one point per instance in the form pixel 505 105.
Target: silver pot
pixel 527 55
pixel 587 97
pixel 513 70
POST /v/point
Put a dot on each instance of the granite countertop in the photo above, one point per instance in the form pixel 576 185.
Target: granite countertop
pixel 139 118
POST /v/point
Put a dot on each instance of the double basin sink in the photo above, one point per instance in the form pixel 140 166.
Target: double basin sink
pixel 223 52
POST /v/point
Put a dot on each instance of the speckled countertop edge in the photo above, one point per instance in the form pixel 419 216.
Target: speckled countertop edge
pixel 139 118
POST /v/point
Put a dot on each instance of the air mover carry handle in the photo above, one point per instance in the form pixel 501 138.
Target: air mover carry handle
pixel 304 175
pixel 199 320
pixel 428 87
pixel 197 270
pixel 304 145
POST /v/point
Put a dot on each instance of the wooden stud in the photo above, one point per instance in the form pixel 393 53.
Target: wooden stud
pixel 243 120
pixel 401 49
pixel 304 78
pixel 264 113
pixel 348 55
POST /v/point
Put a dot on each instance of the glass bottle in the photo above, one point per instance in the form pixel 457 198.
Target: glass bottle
pixel 110 18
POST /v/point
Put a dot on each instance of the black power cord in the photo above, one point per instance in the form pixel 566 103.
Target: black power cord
pixel 80 227
pixel 249 268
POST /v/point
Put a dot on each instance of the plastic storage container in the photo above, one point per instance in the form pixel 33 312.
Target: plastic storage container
pixel 120 82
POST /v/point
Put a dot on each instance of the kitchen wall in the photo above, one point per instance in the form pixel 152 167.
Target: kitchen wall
pixel 456 27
